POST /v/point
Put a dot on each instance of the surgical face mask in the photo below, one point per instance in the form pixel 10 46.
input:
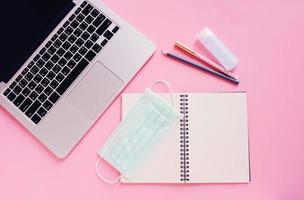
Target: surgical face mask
pixel 139 134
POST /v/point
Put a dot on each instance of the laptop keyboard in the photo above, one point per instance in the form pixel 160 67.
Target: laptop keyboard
pixel 52 71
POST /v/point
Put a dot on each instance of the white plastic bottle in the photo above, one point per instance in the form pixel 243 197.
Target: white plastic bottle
pixel 217 48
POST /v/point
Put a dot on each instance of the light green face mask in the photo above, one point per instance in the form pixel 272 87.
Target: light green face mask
pixel 139 134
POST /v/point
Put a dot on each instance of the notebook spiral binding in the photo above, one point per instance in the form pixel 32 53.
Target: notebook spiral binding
pixel 184 138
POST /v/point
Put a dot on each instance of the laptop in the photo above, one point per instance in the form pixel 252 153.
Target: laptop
pixel 62 64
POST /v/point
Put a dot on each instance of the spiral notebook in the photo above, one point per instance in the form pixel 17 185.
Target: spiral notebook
pixel 209 145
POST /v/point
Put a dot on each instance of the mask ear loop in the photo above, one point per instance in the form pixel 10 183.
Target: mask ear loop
pixel 102 177
pixel 167 85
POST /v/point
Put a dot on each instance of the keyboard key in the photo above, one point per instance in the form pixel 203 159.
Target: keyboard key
pixel 25 105
pixel 54 84
pixel 23 83
pixel 85 35
pixel 108 35
pixel 83 26
pixel 115 29
pixel 32 109
pixel 40 63
pixel 89 19
pixel 60 52
pixel 60 31
pixel 36 119
pixel 63 37
pixel 54 97
pixel 47 105
pixel 26 92
pixel 6 92
pixel 52 50
pixel 19 78
pixel 82 50
pixel 88 44
pixel 19 100
pixel 94 13
pixel 71 64
pixel 68 30
pixel 72 76
pixel 77 57
pixel 13 84
pixel 59 77
pixel 45 82
pixel 96 48
pixel 79 42
pixel 31 64
pixel 68 55
pixel 74 24
pixel 11 96
pixel 54 58
pixel 66 45
pixel 39 89
pixel 87 9
pixel 94 37
pixel 91 29
pixel 17 89
pixel 77 32
pixel 74 49
pixel 66 24
pixel 24 71
pixel 62 62
pixel 103 27
pixel 42 97
pixel 36 57
pixel 37 78
pixel 56 69
pixel 42 112
pixel 77 11
pixel 48 91
pixel 46 56
pixel 72 17
pixel 42 51
pixel 83 4
pixel 32 85
pixel 65 71
pixel 90 55
pixel 33 95
pixel 54 37
pixel 57 43
pixel 50 75
pixel 34 70
pixel 48 44
pixel 43 71
pixel 49 65
pixel 80 17
pixel 98 20
pixel 29 76
pixel 72 39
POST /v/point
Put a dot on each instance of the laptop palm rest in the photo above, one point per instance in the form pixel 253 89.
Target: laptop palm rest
pixel 95 90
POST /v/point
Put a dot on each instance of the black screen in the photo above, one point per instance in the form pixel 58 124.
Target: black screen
pixel 24 25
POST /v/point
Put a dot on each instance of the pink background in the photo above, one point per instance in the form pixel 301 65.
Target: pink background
pixel 267 36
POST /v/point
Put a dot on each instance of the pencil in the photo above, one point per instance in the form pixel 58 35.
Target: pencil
pixel 204 59
pixel 201 67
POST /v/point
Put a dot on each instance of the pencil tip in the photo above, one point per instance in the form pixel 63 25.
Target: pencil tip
pixel 164 52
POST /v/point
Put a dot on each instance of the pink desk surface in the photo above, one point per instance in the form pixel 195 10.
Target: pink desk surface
pixel 267 36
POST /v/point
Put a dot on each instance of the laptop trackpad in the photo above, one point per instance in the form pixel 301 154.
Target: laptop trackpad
pixel 95 90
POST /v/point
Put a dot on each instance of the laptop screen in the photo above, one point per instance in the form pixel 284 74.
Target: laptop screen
pixel 24 25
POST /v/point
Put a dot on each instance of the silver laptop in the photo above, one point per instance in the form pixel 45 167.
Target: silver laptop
pixel 62 64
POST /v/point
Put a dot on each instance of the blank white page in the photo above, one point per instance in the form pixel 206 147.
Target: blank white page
pixel 218 138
